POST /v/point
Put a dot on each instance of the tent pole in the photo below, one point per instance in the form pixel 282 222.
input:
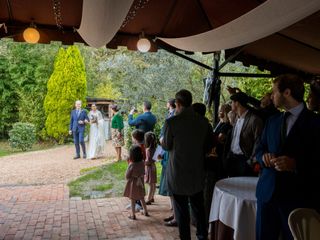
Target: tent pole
pixel 216 88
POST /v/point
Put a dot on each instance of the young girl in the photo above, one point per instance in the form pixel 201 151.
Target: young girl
pixel 137 137
pixel 150 169
pixel 135 187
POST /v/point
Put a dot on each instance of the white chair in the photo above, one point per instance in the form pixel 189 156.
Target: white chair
pixel 304 224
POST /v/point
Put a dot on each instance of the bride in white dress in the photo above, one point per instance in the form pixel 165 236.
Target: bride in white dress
pixel 96 136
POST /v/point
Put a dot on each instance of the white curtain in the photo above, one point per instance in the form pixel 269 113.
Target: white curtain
pixel 101 20
pixel 264 20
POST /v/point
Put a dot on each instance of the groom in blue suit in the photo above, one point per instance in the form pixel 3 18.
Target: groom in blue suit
pixel 289 156
pixel 78 122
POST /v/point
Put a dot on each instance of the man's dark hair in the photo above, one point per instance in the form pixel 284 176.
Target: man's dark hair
pixel 138 135
pixel 241 98
pixel 184 97
pixel 292 82
pixel 199 108
pixel 315 87
pixel 147 105
pixel 135 153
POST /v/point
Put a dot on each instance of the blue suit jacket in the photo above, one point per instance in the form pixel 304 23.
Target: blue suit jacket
pixel 302 144
pixel 74 125
pixel 144 122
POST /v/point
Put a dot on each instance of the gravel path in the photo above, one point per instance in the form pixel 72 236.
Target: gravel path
pixel 47 167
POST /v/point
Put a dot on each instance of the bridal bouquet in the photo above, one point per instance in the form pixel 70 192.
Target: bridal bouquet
pixel 93 119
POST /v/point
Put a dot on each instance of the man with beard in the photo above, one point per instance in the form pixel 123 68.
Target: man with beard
pixel 288 153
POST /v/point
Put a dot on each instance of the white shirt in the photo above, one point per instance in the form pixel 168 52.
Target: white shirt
pixel 292 118
pixel 235 143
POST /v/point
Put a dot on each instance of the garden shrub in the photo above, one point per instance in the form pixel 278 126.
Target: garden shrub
pixel 66 85
pixel 22 136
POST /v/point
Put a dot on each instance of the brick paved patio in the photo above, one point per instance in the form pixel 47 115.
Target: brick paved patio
pixel 46 212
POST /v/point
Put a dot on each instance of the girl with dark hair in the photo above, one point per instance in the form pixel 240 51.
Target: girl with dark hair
pixel 137 137
pixel 150 178
pixel 135 186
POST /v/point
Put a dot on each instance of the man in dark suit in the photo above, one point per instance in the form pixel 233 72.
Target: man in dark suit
pixel 145 121
pixel 187 137
pixel 289 156
pixel 77 127
pixel 244 138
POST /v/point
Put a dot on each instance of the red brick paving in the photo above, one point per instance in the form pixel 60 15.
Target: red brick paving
pixel 46 212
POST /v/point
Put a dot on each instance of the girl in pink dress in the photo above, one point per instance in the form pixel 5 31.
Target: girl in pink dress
pixel 135 186
pixel 150 177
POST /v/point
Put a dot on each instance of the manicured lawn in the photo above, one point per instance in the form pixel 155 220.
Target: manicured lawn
pixel 104 181
pixel 5 148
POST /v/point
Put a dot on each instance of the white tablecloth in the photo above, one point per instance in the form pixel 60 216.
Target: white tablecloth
pixel 234 204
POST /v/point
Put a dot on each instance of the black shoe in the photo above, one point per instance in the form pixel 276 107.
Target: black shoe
pixel 172 223
pixel 168 219
pixel 84 156
pixel 76 157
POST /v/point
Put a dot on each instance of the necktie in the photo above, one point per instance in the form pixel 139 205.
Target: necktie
pixel 78 113
pixel 284 126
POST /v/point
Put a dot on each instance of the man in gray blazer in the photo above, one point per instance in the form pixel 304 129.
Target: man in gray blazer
pixel 188 138
pixel 244 138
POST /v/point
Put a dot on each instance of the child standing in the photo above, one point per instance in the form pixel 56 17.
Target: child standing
pixel 150 169
pixel 137 137
pixel 135 186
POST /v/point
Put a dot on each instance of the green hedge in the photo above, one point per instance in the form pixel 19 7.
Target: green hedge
pixel 22 136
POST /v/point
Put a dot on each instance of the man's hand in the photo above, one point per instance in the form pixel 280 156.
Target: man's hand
pixel 70 132
pixel 284 163
pixel 86 121
pixel 80 122
pixel 232 90
pixel 267 159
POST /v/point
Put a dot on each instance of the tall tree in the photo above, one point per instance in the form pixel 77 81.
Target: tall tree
pixel 8 96
pixel 30 68
pixel 66 84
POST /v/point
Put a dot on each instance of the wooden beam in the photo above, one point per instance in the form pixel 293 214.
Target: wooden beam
pixel 184 56
pixel 251 75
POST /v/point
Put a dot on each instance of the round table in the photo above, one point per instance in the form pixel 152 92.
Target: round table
pixel 234 205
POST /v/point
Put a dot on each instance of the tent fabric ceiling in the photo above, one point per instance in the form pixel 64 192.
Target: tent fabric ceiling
pixel 102 19
pixel 296 47
pixel 171 19
pixel 17 15
pixel 268 18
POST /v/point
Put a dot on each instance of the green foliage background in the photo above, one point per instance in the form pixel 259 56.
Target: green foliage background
pixel 66 84
pixel 24 72
pixel 22 136
pixel 125 76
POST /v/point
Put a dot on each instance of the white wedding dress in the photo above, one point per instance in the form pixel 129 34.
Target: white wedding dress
pixel 97 144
